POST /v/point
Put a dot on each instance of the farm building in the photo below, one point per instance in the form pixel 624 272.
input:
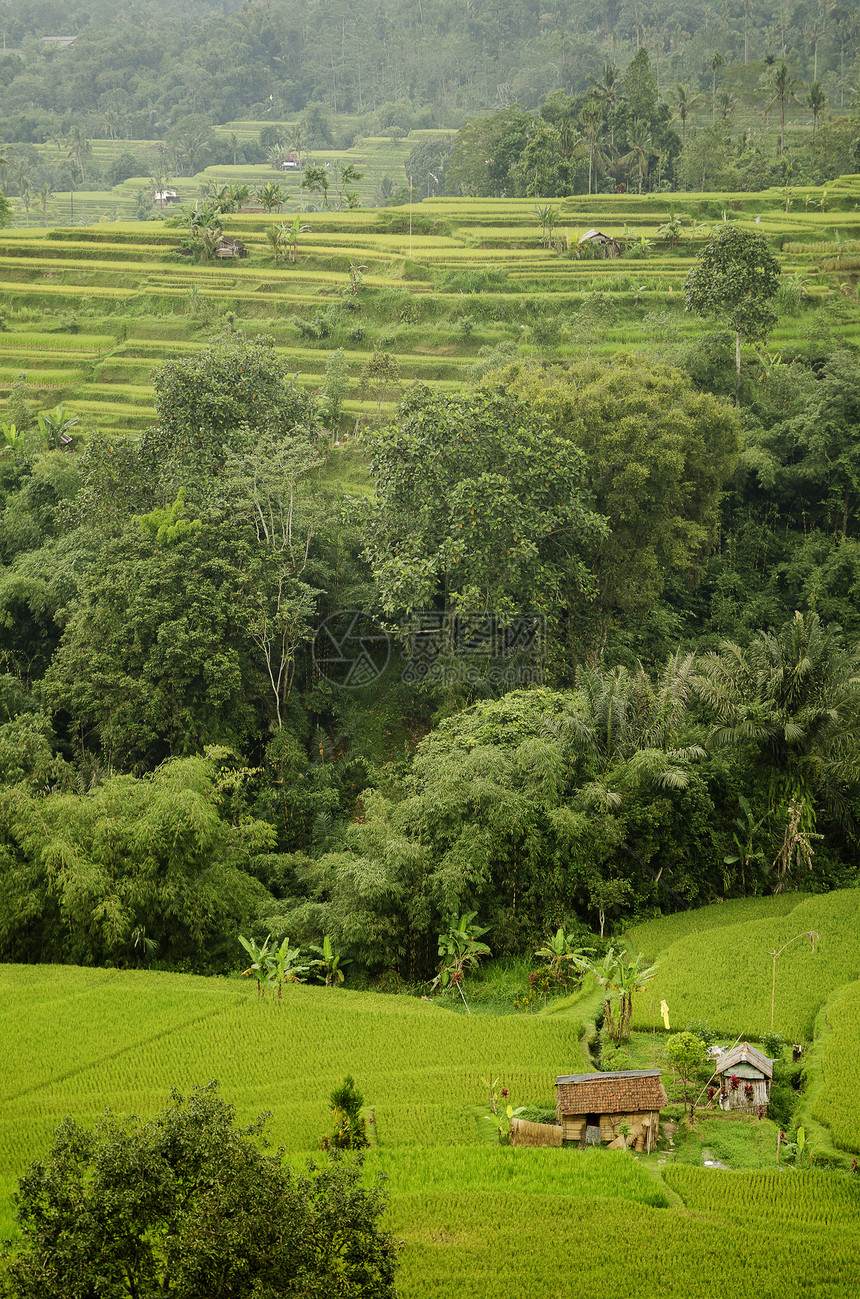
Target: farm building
pixel 162 197
pixel 600 244
pixel 591 1107
pixel 745 1077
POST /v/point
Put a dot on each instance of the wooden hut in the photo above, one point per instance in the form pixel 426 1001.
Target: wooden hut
pixel 591 1107
pixel 745 1077
pixel 598 244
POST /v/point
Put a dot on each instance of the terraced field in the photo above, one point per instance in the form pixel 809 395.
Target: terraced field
pixel 90 312
pixel 474 1217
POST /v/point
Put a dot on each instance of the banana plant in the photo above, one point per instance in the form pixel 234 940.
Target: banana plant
pixel 282 967
pixel 260 958
pixel 53 424
pixel 331 963
pixel 11 437
pixel 460 951
pixel 560 952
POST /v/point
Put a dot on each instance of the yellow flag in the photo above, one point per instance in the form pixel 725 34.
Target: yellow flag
pixel 664 1011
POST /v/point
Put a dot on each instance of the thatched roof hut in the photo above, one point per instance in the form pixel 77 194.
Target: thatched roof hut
pixel 745 1076
pixel 599 244
pixel 592 1107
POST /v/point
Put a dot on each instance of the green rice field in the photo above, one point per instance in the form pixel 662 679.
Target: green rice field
pixel 90 312
pixel 475 1217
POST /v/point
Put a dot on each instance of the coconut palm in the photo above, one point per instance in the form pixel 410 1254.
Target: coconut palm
pixel 717 62
pixel 684 101
pixel 782 84
pixel 591 118
pixel 79 147
pixel 817 101
pixel 641 146
pixel 791 700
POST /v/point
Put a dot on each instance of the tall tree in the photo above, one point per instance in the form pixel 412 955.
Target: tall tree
pixel 735 280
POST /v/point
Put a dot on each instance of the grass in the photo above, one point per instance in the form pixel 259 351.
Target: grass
pixel 474 1217
pixel 474 258
pixel 725 976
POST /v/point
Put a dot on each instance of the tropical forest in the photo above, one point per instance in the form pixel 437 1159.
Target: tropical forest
pixel 429 649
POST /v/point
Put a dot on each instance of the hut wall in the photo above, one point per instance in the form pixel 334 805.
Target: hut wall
pixel 738 1100
pixel 525 1133
pixel 644 1128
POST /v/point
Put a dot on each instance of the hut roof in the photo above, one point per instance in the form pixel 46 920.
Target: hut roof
pixel 744 1054
pixel 596 235
pixel 629 1091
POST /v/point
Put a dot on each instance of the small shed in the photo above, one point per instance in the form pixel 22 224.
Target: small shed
pixel 601 245
pixel 745 1077
pixel 162 197
pixel 230 248
pixel 591 1107
pixel 292 162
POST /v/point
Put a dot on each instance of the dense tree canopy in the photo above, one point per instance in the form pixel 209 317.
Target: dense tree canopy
pixel 187 1204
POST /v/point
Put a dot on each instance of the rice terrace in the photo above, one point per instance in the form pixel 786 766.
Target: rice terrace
pixel 429 650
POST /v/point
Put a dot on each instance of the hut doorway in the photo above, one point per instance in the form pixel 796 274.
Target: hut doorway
pixel 592 1129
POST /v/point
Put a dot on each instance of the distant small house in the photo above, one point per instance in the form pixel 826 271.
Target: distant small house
pixel 230 248
pixel 601 245
pixel 745 1077
pixel 292 162
pixel 162 197
pixel 591 1108
pixel 60 42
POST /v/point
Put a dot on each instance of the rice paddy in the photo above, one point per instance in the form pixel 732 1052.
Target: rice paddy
pixel 474 1216
pixel 435 284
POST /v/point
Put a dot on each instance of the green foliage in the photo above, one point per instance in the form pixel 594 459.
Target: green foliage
pixel 168 525
pixel 485 523
pixel 350 1129
pixel 83 872
pixel 734 281
pixel 620 976
pixel 205 404
pixel 139 1206
pixel 791 699
pixel 686 1053
pixel 656 457
pixel 156 656
pixel 460 949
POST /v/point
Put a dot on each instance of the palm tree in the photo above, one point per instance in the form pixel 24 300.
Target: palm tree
pixel 792 700
pixel 717 62
pixel 54 424
pixel 782 84
pixel 260 956
pixel 607 91
pixel 641 146
pixel 817 101
pixel 44 196
pixel 79 147
pixel 591 118
pixel 621 977
pixel 292 232
pixel 626 720
pixel 727 104
pixel 684 101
